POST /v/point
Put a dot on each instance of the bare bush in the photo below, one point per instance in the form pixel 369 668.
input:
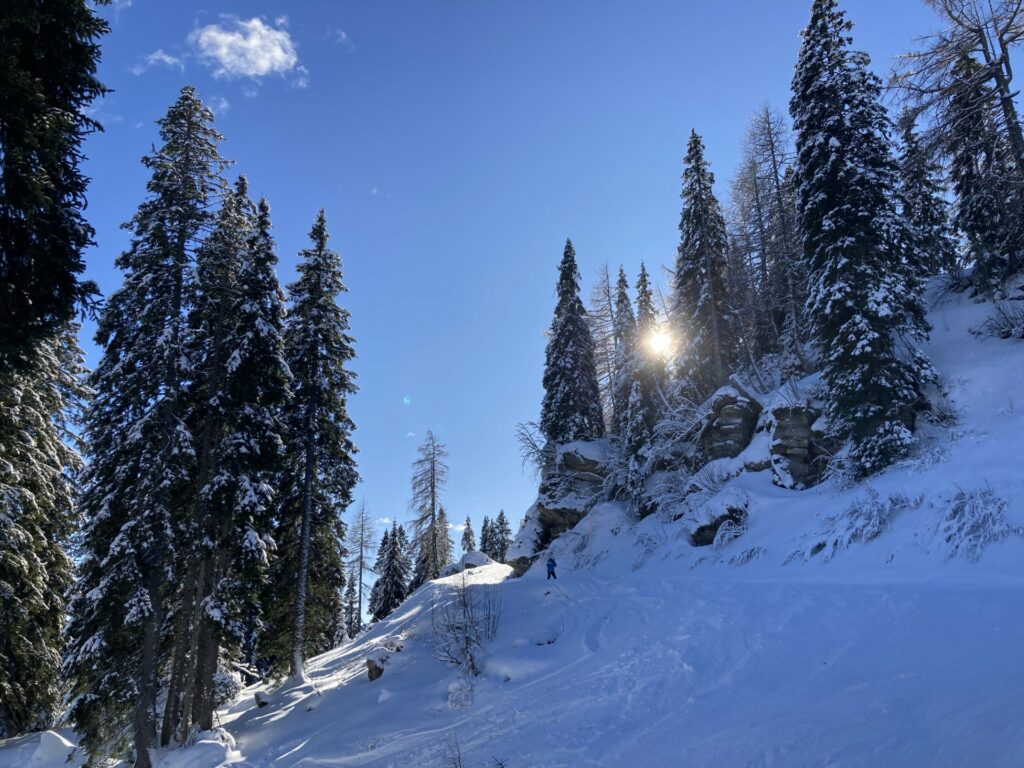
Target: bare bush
pixel 453 751
pixel 533 448
pixel 974 520
pixel 1005 322
pixel 464 624
pixel 861 522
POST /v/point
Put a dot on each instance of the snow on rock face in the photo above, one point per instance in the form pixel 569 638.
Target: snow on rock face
pixel 567 490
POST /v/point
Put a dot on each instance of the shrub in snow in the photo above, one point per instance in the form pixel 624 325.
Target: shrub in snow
pixel 747 555
pixel 462 626
pixel 227 686
pixel 862 521
pixel 1005 322
pixel 974 520
pixel 729 530
pixel 734 520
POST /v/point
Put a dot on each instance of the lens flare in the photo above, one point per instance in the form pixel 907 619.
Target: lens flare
pixel 659 342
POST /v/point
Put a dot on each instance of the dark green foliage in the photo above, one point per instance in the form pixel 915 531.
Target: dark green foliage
pixel 571 409
pixel 140 451
pixel 320 470
pixel 702 316
pixel 924 208
pixel 49 52
pixel 865 307
pixel 38 465
pixel 392 569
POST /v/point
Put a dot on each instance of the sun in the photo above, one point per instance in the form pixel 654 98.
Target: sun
pixel 659 342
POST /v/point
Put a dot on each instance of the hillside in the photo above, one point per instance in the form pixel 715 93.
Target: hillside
pixel 878 624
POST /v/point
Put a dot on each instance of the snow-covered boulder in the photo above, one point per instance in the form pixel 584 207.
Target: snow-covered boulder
pixel 468 560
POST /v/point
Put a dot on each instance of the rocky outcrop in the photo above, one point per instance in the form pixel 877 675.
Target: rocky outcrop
pixel 798 460
pixel 374 669
pixel 567 489
pixel 732 418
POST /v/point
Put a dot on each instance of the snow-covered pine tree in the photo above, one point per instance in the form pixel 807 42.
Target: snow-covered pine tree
pixel 435 539
pixel 392 569
pixel 625 349
pixel 431 543
pixel 39 461
pixel 702 316
pixel 924 208
pixel 468 539
pixel 352 618
pixel 206 407
pixel 249 456
pixel 502 532
pixel 48 75
pixel 487 537
pixel 139 449
pixel 644 405
pixel 571 409
pixel 380 567
pixel 979 174
pixel 865 299
pixel 320 470
pixel 647 327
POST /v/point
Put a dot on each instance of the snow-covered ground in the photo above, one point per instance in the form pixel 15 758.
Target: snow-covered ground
pixel 890 645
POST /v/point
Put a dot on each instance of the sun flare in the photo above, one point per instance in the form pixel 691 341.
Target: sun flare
pixel 659 342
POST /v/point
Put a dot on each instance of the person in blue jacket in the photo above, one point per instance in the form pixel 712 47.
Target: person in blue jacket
pixel 551 569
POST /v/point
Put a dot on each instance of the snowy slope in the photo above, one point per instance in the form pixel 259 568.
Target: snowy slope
pixel 899 650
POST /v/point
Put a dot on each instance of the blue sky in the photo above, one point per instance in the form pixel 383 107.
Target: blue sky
pixel 455 145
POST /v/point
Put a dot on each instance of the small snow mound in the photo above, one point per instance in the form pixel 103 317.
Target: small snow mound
pixel 468 560
pixel 53 749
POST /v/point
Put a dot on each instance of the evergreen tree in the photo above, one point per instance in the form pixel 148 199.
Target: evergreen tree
pixel 48 81
pixel 38 466
pixel 320 467
pixel 468 540
pixel 701 309
pixel 980 177
pixel 646 327
pixel 139 449
pixel 392 568
pixel 352 619
pixel 207 409
pixel 865 299
pixel 571 409
pixel 430 533
pixel 249 454
pixel 643 410
pixel 924 208
pixel 502 533
pixel 625 348
pixel 487 537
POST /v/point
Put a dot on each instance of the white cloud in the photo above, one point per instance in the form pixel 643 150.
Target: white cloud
pixel 246 48
pixel 218 105
pixel 159 57
pixel 302 77
pixel 384 521
pixel 340 36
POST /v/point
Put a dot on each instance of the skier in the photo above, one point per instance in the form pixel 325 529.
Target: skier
pixel 551 569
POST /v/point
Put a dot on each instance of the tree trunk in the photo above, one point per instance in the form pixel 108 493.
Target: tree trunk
pixel 298 652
